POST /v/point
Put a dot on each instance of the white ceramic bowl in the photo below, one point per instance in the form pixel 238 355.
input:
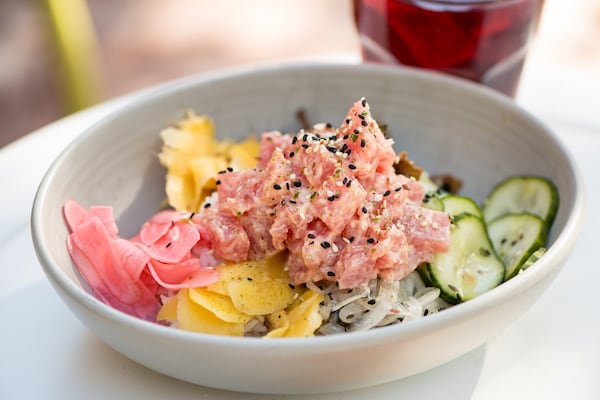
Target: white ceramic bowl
pixel 446 125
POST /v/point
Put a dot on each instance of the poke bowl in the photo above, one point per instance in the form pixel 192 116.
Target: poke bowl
pixel 445 125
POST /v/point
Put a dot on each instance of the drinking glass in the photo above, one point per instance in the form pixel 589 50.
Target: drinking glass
pixel 482 40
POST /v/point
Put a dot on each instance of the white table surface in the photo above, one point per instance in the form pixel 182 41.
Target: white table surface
pixel 552 352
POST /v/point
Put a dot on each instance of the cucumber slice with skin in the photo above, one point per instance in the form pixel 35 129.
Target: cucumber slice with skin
pixel 470 267
pixel 533 258
pixel 515 238
pixel 432 202
pixel 456 205
pixel 518 194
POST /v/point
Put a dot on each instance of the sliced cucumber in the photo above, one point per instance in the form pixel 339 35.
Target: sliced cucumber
pixel 470 267
pixel 515 238
pixel 457 205
pixel 433 202
pixel 518 194
pixel 536 255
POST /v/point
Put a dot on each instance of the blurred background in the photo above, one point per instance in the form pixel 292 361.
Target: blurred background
pixel 126 45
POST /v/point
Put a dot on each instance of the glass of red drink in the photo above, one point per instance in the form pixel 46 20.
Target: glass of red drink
pixel 482 40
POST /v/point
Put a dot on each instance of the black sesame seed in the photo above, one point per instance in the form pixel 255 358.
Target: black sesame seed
pixel 364 102
pixel 344 147
pixel 221 172
pixel 364 123
pixel 348 120
pixel 229 169
pixel 311 235
pixel 297 183
pixel 207 205
pixel 305 146
pixel 426 200
pixel 292 154
pixel 361 116
pixel 248 278
pixel 351 166
pixel 386 193
pixel 345 137
pixel 425 312
pixel 283 202
pixel 348 184
pixel 345 180
pixel 332 198
pixel 305 137
pixel 287 185
pixel 356 131
pixel 293 201
pixel 349 151
pixel 372 301
pixel 294 139
pixel 330 273
pixel 351 239
pixel 363 143
pixel 364 210
pixel 332 149
pixel 168 245
pixel 218 182
pixel 276 187
pixel 371 240
pixel 325 245
pixel 291 286
pixel 328 126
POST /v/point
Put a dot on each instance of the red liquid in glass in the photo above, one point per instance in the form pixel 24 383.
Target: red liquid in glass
pixel 484 42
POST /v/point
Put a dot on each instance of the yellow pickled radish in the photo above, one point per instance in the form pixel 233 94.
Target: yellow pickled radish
pixel 193 317
pixel 168 310
pixel 279 324
pixel 221 306
pixel 303 315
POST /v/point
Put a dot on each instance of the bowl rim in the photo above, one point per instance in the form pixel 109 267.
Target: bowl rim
pixel 560 248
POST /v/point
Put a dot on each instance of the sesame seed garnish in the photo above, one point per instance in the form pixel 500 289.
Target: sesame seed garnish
pixel 372 301
pixel 351 239
pixel 361 116
pixel 356 131
pixel 292 154
pixel 305 146
pixel 348 184
pixel 371 240
pixel 398 189
pixel 291 286
pixel 305 137
pixel 287 185
pixel 330 273
pixel 248 278
pixel 386 193
pixel 294 139
pixel 218 182
pixel 364 123
pixel 311 236
pixel 297 183
pixel 221 172
pixel 363 102
pixel 168 245
pixel 363 143
pixel 351 166
pixel 364 210
pixel 325 245
pixel 207 205
pixel 328 125
pixel 276 187
pixel 229 169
